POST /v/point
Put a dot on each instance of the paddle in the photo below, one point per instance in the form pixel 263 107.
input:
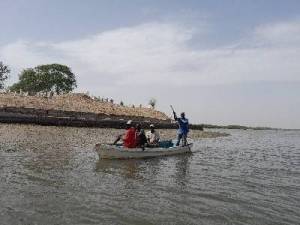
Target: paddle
pixel 174 113
pixel 172 109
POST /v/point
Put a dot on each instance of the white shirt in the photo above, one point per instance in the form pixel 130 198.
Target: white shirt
pixel 152 137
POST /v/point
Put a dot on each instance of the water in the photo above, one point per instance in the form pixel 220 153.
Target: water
pixel 51 175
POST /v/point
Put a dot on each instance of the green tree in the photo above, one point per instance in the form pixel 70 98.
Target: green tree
pixel 4 71
pixel 46 78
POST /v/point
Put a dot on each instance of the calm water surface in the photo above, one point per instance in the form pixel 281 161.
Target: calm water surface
pixel 52 176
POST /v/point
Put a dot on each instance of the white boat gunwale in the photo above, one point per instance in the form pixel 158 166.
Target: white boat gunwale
pixel 106 151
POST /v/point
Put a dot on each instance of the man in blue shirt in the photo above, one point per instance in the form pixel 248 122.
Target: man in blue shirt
pixel 183 130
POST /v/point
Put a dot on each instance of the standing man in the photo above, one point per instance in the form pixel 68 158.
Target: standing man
pixel 183 129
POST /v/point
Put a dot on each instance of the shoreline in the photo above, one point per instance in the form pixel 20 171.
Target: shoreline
pixel 15 136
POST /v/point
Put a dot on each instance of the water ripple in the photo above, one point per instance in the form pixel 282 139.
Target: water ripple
pixel 250 177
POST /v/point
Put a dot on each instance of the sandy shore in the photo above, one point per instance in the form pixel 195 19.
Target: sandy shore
pixel 15 136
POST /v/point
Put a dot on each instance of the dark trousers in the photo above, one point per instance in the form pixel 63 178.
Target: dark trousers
pixel 184 139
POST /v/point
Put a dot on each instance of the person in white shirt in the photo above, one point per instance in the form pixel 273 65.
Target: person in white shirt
pixel 152 137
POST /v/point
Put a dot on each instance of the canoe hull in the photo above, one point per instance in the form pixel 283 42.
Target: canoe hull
pixel 114 152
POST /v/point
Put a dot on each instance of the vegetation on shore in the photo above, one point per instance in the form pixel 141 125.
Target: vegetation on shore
pixel 52 78
pixel 236 127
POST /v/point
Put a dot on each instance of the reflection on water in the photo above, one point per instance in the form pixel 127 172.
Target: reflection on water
pixel 181 170
pixel 140 169
pixel 128 168
pixel 51 175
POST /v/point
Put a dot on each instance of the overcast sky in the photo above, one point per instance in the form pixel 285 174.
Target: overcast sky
pixel 222 62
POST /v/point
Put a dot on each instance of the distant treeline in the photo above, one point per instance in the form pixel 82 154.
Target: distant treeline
pixel 236 127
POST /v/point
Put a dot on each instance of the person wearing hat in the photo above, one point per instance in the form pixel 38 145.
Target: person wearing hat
pixel 129 137
pixel 183 129
pixel 152 137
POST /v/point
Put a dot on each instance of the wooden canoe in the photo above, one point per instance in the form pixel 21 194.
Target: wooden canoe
pixel 106 151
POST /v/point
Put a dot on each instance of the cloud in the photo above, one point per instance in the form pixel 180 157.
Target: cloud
pixel 140 54
pixel 279 34
pixel 161 53
pixel 154 59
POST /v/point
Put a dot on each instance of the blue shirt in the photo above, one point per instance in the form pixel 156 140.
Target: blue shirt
pixel 183 126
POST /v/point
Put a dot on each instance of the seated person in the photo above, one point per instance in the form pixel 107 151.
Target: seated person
pixel 140 136
pixel 129 137
pixel 152 137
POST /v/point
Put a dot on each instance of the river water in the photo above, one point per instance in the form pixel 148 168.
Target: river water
pixel 52 175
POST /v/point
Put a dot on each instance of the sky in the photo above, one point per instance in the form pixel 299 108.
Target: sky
pixel 221 62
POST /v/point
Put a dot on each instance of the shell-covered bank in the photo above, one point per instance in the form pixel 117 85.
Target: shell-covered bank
pixel 78 110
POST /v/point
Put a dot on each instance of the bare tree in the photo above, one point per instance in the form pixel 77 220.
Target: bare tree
pixel 152 102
